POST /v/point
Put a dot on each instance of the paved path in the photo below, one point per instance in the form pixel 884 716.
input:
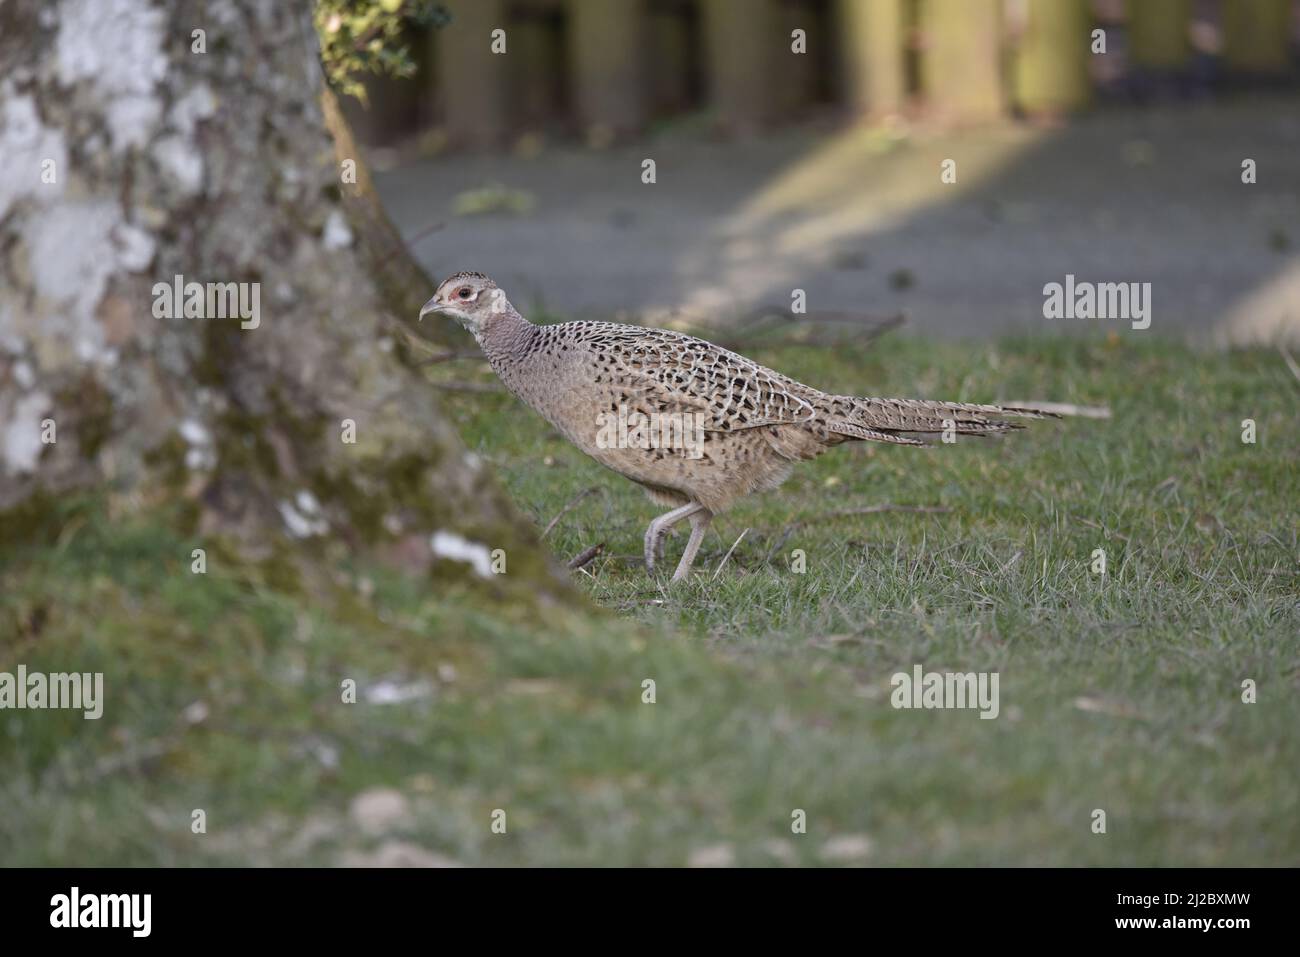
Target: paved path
pixel 864 224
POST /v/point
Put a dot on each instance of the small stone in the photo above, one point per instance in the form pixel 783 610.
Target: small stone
pixel 398 854
pixel 196 712
pixel 715 855
pixel 782 850
pixel 846 849
pixel 901 279
pixel 379 810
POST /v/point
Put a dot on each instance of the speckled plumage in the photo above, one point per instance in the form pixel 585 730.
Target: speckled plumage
pixel 757 423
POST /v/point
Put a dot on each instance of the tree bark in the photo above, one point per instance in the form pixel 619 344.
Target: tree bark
pixel 297 428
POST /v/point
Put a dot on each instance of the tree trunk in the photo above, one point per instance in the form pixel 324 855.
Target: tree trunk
pixel 277 415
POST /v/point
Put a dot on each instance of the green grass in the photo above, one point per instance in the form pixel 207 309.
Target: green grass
pixel 1120 692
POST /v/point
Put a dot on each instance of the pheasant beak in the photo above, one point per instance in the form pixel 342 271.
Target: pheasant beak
pixel 432 306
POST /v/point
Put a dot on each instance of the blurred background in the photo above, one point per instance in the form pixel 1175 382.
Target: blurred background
pixel 1114 155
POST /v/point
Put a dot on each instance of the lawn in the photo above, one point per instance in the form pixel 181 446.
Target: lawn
pixel 1120 692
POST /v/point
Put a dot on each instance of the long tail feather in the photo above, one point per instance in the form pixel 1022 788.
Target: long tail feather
pixel 880 420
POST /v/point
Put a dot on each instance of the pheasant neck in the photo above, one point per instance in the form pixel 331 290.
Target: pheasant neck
pixel 506 334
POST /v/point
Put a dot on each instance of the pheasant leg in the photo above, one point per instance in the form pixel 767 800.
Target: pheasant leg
pixel 699 524
pixel 659 528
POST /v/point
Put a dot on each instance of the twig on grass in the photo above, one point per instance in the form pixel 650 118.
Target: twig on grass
pixel 872 509
pixel 424 233
pixel 723 563
pixel 1107 532
pixel 1114 709
pixel 586 556
pixel 1290 362
pixel 565 511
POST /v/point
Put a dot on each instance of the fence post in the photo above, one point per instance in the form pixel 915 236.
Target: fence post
pixel 742 40
pixel 606 43
pixel 1256 34
pixel 872 48
pixel 1159 34
pixel 472 80
pixel 961 69
pixel 1051 58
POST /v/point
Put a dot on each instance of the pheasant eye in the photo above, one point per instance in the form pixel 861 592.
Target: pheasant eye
pixel 464 292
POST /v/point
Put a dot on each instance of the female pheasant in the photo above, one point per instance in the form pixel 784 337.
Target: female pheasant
pixel 732 426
